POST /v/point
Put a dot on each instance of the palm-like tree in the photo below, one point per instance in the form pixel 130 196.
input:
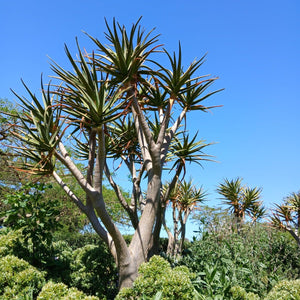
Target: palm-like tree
pixel 257 212
pixel 184 198
pixel 287 216
pixel 241 200
pixel 183 149
pixel 119 107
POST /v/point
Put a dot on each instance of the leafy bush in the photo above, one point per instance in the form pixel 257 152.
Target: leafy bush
pixel 213 283
pixel 93 271
pixel 59 291
pixel 11 242
pixel 256 259
pixel 58 264
pixel 285 290
pixel 158 276
pixel 27 211
pixel 90 268
pixel 18 278
pixel 238 293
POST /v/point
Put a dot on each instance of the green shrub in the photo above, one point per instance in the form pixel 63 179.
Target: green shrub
pixel 238 293
pixel 29 211
pixel 36 218
pixel 285 290
pixel 18 278
pixel 158 276
pixel 256 259
pixel 58 263
pixel 59 291
pixel 90 268
pixel 213 283
pixel 93 271
pixel 10 242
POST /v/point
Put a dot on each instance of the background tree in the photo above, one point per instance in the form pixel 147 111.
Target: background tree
pixel 10 179
pixel 36 219
pixel 113 84
pixel 241 200
pixel 287 216
pixel 182 150
pixel 184 198
pixel 8 176
pixel 212 220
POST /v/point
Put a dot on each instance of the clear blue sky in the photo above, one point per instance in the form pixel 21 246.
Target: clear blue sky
pixel 253 46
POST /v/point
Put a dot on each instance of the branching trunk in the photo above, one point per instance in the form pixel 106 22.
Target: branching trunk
pixel 294 234
pixel 142 236
pixel 296 237
pixel 126 263
pixel 170 247
pixel 183 227
pixel 154 243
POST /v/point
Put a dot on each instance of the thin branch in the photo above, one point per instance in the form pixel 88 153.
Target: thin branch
pixel 68 191
pixel 122 200
pixel 168 138
pixel 91 164
pixel 90 213
pixel 164 125
pixel 138 113
pixel 66 160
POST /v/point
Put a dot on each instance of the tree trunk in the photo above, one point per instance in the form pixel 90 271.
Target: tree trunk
pixel 128 271
pixel 182 229
pixel 155 241
pixel 171 244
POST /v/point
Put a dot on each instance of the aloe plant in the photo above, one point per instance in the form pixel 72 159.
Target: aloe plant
pixel 286 216
pixel 115 104
pixel 241 200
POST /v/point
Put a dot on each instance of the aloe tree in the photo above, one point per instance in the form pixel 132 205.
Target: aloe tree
pixel 181 194
pixel 9 178
pixel 241 200
pixel 286 216
pixel 116 103
pixel 184 198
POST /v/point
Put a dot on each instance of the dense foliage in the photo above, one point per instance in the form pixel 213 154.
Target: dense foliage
pixel 257 263
pixel 89 268
pixel 18 278
pixel 60 291
pixel 254 259
pixel 158 276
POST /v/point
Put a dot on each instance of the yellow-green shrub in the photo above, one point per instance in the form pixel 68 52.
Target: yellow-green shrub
pixel 18 278
pixel 285 290
pixel 158 276
pixel 59 291
pixel 9 241
pixel 238 293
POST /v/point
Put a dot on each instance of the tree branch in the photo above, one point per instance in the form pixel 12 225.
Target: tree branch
pixel 122 200
pixel 168 138
pixel 66 160
pixel 68 191
pixel 90 213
